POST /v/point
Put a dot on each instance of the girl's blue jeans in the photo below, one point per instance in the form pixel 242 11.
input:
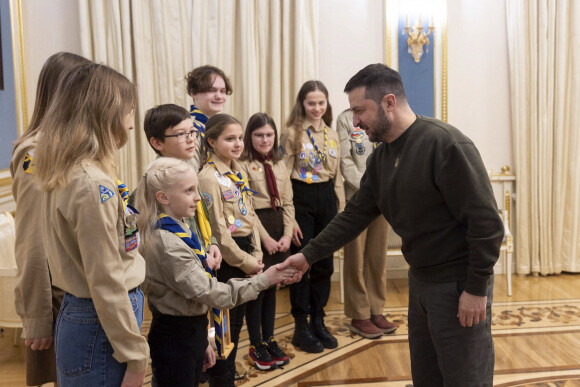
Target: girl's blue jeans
pixel 84 355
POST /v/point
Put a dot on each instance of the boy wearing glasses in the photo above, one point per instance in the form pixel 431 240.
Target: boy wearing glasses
pixel 171 133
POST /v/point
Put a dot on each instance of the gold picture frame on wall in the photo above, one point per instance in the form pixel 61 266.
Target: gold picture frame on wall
pixel 436 12
pixel 13 18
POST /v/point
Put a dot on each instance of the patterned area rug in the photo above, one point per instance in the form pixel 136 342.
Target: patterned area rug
pixel 508 319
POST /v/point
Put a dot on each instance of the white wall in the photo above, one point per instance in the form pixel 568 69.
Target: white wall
pixel 478 77
pixel 351 36
pixel 49 27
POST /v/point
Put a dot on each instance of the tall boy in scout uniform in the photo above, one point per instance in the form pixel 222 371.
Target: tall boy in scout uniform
pixel 365 259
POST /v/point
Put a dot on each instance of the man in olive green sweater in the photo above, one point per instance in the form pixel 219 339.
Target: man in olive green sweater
pixel 428 180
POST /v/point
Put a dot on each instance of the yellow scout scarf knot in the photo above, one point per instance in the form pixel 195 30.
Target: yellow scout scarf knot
pixel 124 192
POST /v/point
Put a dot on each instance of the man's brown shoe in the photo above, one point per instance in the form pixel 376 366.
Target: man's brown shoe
pixel 382 323
pixel 365 328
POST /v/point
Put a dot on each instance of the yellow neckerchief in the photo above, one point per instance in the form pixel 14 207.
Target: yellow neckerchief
pixel 202 220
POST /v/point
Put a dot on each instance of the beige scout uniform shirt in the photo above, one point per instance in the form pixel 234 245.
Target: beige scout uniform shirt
pixel 84 230
pixel 257 177
pixel 33 292
pixel 355 149
pixel 228 216
pixel 177 283
pixel 301 160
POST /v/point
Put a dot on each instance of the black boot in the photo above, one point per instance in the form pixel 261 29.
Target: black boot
pixel 225 380
pixel 304 339
pixel 319 329
pixel 221 381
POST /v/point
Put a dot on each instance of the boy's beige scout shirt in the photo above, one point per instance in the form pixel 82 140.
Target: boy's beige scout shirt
pixel 355 149
pixel 33 291
pixel 301 157
pixel 84 227
pixel 229 216
pixel 254 169
pixel 177 283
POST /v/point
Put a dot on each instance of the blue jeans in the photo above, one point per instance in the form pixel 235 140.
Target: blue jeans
pixel 84 355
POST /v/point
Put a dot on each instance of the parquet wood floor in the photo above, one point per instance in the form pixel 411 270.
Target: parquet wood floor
pixel 536 336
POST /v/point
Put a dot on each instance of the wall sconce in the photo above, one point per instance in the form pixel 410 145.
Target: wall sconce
pixel 417 38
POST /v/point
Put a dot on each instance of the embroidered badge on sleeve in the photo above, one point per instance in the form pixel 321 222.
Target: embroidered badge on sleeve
pixel 28 165
pixel 105 193
pixel 207 199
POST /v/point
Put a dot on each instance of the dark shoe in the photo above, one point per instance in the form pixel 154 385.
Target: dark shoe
pixel 279 356
pixel 260 357
pixel 320 331
pixel 365 328
pixel 382 323
pixel 221 381
pixel 304 338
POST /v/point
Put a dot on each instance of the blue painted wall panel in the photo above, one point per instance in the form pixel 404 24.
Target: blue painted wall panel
pixel 418 78
pixel 8 123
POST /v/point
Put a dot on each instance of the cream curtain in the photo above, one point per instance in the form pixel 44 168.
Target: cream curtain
pixel 544 43
pixel 267 48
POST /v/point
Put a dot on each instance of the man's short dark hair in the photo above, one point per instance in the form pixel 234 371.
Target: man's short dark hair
pixel 162 117
pixel 378 80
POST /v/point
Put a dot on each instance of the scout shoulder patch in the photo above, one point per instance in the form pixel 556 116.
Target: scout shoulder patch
pixel 28 165
pixel 207 199
pixel 105 193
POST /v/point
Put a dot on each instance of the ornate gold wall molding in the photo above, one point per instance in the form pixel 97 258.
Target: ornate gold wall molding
pixel 392 12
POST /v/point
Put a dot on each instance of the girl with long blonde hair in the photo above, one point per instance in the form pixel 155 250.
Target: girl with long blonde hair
pixel 37 301
pixel 90 232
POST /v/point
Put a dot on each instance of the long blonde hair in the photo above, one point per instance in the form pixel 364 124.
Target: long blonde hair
pixel 51 73
pixel 161 175
pixel 84 122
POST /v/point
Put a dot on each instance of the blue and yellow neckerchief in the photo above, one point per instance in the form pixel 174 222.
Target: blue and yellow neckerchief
pixel 199 119
pixel 167 223
pixel 124 192
pixel 320 154
pixel 239 180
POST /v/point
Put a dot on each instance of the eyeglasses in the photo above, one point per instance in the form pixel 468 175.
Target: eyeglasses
pixel 183 136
